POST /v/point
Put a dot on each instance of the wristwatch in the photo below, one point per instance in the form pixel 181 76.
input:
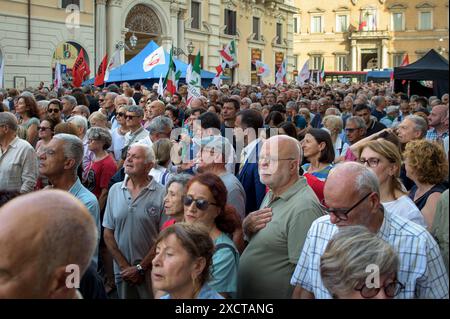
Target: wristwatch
pixel 140 270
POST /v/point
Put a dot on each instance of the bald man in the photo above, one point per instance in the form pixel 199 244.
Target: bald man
pixel 156 108
pixel 436 120
pixel 47 238
pixel 277 231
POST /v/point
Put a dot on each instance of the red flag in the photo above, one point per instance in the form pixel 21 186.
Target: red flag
pixel 405 62
pixel 80 70
pixel 100 77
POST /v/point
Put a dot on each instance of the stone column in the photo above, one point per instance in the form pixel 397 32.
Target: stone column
pixel 384 54
pixel 114 24
pixel 100 32
pixel 174 23
pixel 180 40
pixel 354 56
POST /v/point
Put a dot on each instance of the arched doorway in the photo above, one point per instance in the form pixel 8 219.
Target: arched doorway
pixel 146 26
pixel 66 53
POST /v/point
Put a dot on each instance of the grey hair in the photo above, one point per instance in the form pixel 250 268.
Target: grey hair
pixel 292 105
pixel 8 119
pixel 112 94
pixel 160 124
pixel 367 181
pixel 99 116
pixel 84 109
pixel 73 148
pixel 378 100
pixel 102 134
pixel 257 106
pixel 43 104
pixel 419 124
pixel 149 153
pixel 181 179
pixel 333 109
pixel 52 95
pixel 335 121
pixel 359 121
pixel 247 100
pixel 72 100
pixel 136 109
pixel 348 254
pixel 79 121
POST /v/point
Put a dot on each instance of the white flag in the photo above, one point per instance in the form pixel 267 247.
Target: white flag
pixel 262 69
pixel 2 67
pixel 155 58
pixel 58 76
pixel 160 86
pixel 304 74
pixel 113 63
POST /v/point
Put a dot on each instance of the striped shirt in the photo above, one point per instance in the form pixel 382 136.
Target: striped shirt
pixel 421 270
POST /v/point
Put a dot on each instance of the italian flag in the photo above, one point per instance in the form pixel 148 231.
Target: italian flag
pixel 194 79
pixel 170 82
pixel 228 54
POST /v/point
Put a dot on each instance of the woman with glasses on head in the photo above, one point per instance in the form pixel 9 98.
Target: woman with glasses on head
pixel 351 257
pixel 99 171
pixel 205 203
pixel 28 112
pixel 384 159
pixel 181 265
pixel 118 134
pixel 427 166
pixel 54 109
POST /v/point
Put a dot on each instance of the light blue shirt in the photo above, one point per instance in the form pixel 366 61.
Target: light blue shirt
pixel 421 270
pixel 90 201
pixel 205 293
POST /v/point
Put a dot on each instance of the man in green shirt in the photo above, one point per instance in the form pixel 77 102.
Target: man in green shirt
pixel 439 230
pixel 278 230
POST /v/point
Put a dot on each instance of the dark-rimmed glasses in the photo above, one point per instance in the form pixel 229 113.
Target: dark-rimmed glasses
pixel 391 290
pixel 342 214
pixel 53 110
pixel 201 204
pixel 43 128
pixel 371 161
pixel 130 117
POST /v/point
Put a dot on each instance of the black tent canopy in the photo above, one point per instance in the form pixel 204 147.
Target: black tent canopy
pixel 431 67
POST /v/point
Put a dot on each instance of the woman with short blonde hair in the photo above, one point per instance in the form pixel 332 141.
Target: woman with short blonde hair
pixel 335 125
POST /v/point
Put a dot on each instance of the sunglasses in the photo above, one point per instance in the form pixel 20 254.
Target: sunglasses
pixel 120 114
pixel 102 100
pixel 53 110
pixel 43 128
pixel 201 204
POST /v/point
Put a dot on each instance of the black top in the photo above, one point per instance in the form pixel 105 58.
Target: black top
pixel 379 115
pixel 91 285
pixel 422 200
pixel 375 127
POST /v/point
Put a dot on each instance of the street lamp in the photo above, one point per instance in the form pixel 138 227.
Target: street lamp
pixel 133 41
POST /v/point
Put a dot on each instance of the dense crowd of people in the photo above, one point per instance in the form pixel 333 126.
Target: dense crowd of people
pixel 312 191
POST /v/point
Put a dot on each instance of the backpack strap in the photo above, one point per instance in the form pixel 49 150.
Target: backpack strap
pixel 226 245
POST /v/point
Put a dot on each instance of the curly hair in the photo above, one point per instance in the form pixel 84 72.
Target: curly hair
pixel 228 220
pixel 427 160
pixel 32 109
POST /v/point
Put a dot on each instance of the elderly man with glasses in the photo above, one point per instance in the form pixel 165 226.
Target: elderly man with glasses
pixel 352 197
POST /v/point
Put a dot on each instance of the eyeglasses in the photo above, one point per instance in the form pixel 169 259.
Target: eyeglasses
pixel 43 128
pixel 371 162
pixel 120 114
pixel 391 290
pixel 53 110
pixel 101 100
pixel 351 130
pixel 342 214
pixel 201 204
pixel 130 117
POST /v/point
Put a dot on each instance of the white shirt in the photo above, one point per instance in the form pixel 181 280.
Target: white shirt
pixel 406 208
pixel 340 148
pixel 118 142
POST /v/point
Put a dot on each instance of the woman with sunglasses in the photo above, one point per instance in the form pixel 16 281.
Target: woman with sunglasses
pixel 28 112
pixel 205 203
pixel 348 256
pixel 384 159
pixel 118 134
pixel 181 265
